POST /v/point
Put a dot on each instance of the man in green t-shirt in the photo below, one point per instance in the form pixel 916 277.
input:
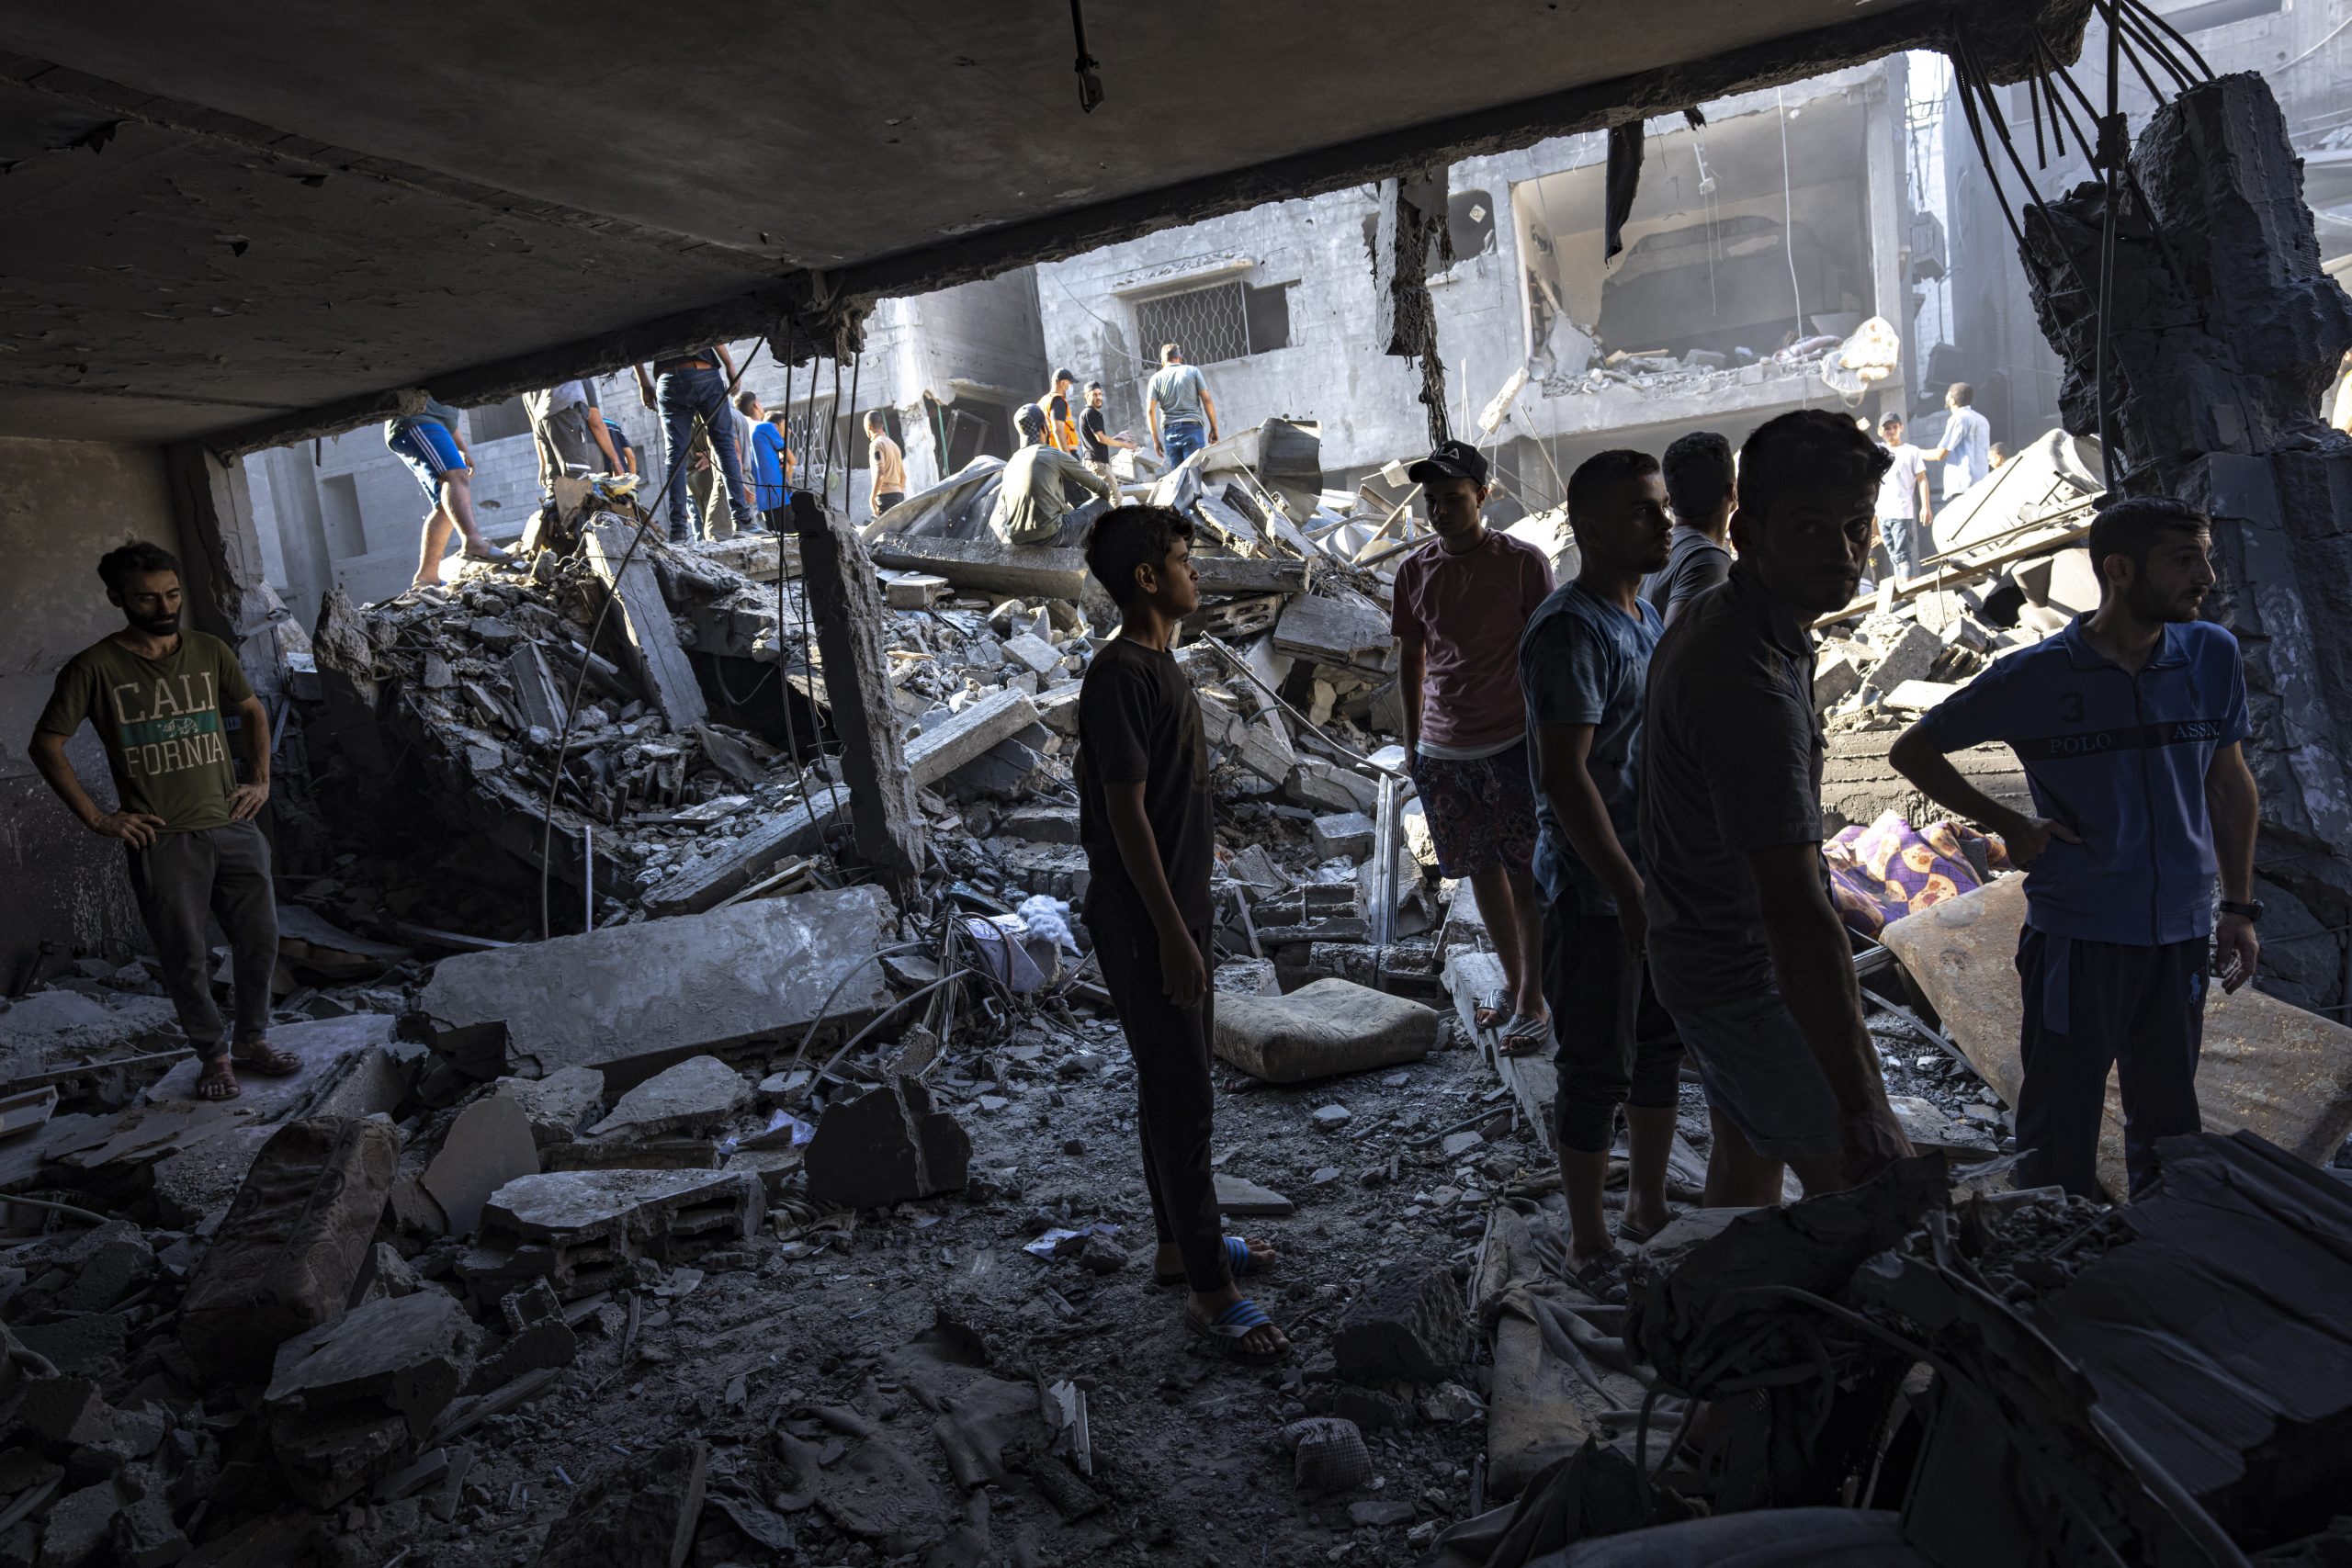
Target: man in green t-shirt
pixel 158 697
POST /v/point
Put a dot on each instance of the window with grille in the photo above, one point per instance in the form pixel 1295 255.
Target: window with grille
pixel 1224 320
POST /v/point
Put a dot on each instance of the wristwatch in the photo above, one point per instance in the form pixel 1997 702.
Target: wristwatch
pixel 2251 909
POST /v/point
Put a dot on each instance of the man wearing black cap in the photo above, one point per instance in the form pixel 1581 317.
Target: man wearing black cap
pixel 1460 603
pixel 1061 417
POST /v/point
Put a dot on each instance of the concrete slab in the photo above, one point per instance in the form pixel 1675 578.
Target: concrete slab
pixel 966 735
pixel 582 1230
pixel 633 1000
pixel 1532 1415
pixel 2267 1066
pixel 1241 1196
pixel 558 1105
pixel 696 1096
pixel 487 1146
pixel 1475 979
pixel 1320 1030
pixel 70 1026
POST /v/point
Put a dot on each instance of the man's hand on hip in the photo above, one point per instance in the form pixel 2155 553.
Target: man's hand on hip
pixel 137 829
pixel 2028 838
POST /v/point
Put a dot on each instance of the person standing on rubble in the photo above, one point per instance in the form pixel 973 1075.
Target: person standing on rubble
pixel 1061 413
pixel 1747 950
pixel 685 388
pixel 2129 723
pixel 1583 661
pixel 886 463
pixel 432 445
pixel 1094 439
pixel 159 698
pixel 771 470
pixel 1179 407
pixel 1701 482
pixel 1967 450
pixel 1458 607
pixel 1145 819
pixel 567 431
pixel 1904 510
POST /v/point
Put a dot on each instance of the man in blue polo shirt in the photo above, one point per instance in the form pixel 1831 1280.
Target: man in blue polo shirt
pixel 2129 724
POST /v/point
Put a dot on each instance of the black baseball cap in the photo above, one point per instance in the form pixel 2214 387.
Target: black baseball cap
pixel 1064 375
pixel 1450 460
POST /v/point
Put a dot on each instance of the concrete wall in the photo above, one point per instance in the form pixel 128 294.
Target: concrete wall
pixel 1367 403
pixel 62 504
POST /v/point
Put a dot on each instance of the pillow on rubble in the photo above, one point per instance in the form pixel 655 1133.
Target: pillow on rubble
pixel 1889 869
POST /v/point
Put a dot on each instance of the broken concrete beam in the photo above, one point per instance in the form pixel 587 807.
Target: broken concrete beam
pixel 794 830
pixel 348 1401
pixel 1343 630
pixel 633 1000
pixel 1319 786
pixel 845 602
pixel 1474 980
pixel 886 1145
pixel 660 665
pixel 1345 833
pixel 1406 1324
pixel 488 1146
pixel 639 1514
pixel 286 1255
pixel 582 1230
pixel 1033 572
pixel 535 690
pixel 965 737
pixel 2267 1066
pixel 1323 1031
pixel 696 1096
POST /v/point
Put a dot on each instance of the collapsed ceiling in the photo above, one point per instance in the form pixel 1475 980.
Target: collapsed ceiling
pixel 241 225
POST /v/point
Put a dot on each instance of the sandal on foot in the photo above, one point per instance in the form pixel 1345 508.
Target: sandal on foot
pixel 1229 1330
pixel 1601 1277
pixel 1634 1235
pixel 1236 1257
pixel 261 1056
pixel 491 553
pixel 218 1081
pixel 1524 1036
pixel 1491 1015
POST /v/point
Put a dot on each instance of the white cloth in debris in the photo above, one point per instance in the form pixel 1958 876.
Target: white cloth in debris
pixel 1031 504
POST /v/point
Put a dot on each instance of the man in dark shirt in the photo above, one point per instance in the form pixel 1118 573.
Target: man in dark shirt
pixel 1145 821
pixel 1582 663
pixel 2130 724
pixel 1092 435
pixel 1700 486
pixel 1746 947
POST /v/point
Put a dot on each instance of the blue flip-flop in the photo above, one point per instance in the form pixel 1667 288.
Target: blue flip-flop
pixel 1230 1328
pixel 1236 1257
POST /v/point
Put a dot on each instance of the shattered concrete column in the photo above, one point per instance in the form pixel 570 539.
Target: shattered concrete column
pixel 845 600
pixel 1413 225
pixel 225 578
pixel 2226 332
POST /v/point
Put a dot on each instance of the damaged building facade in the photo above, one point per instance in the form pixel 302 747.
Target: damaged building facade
pixel 710 1139
pixel 1785 220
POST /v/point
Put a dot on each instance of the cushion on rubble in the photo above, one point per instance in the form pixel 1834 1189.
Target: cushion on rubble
pixel 1331 1027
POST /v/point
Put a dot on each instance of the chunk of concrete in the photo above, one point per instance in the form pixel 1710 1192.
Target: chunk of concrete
pixel 2266 1066
pixel 1834 680
pixel 1909 656
pixel 1405 1324
pixel 68 1026
pixel 633 1000
pixel 1036 652
pixel 77 1526
pixel 351 1401
pixel 1919 696
pixel 696 1096
pixel 1040 824
pixel 582 1230
pixel 886 1145
pixel 1239 1196
pixel 487 1146
pixel 639 1514
pixel 1320 1030
pixel 291 1249
pixel 963 737
pixel 1348 833
pixel 557 1106
pixel 1333 630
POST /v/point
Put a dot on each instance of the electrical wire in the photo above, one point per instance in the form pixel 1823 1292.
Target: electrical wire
pixel 1789 227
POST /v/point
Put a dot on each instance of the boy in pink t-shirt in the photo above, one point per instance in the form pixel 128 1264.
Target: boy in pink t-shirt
pixel 1460 603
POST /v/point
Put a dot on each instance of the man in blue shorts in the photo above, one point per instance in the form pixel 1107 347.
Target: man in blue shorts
pixel 432 445
pixel 2129 723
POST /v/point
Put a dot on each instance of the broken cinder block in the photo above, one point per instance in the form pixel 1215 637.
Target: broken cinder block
pixel 1407 1324
pixel 350 1400
pixel 580 1230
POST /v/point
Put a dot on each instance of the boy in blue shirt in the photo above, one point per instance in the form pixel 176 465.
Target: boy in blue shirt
pixel 2129 723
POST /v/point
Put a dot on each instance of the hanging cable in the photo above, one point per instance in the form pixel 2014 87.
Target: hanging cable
pixel 1789 230
pixel 2112 150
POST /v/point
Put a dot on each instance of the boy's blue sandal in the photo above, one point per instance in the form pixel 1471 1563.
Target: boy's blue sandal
pixel 1237 1257
pixel 1229 1330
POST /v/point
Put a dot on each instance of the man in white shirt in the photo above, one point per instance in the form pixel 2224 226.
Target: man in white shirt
pixel 1903 508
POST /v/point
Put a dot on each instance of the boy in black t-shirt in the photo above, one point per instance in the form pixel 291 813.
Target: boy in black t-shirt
pixel 1144 819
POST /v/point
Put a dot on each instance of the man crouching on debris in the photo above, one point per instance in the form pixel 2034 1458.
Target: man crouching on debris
pixel 155 693
pixel 1583 662
pixel 2129 723
pixel 1144 819
pixel 1746 949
